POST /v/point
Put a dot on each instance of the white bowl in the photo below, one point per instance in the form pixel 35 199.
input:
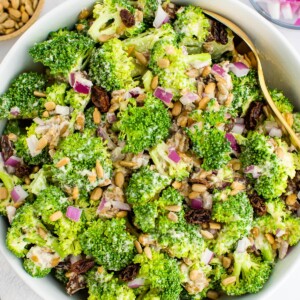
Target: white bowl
pixel 281 65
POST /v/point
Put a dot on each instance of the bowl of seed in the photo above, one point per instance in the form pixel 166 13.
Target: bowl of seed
pixel 16 16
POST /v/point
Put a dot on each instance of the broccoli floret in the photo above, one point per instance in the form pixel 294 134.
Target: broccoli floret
pixel 283 104
pixel 144 42
pixel 296 123
pixel 88 163
pixel 161 274
pixel 173 76
pixel 145 126
pixel 263 245
pixel 211 145
pixel 25 231
pixel 148 7
pixel 56 93
pixel 144 185
pixel 13 126
pixel 19 101
pixel 145 216
pixel 104 286
pixel 111 67
pixel 108 20
pixel 9 183
pixel 63 53
pixel 234 208
pixel 89 123
pixel 39 261
pixel 166 166
pixel 192 27
pixel 250 272
pixel 38 183
pixel 109 243
pixel 76 100
pixel 245 90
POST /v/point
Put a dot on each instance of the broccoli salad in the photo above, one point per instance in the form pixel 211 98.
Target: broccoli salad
pixel 144 163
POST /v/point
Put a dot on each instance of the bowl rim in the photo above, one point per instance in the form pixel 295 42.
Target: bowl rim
pixel 265 293
pixel 30 22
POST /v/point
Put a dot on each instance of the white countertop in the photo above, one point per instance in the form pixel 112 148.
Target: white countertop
pixel 12 287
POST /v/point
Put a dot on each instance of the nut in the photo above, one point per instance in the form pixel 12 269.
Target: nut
pixel 127 164
pixel 228 280
pixel 163 63
pixel 9 24
pixel 200 188
pixel 75 193
pixel 96 194
pixel 14 13
pixel 154 82
pixel 64 161
pixel 15 3
pixel 194 274
pixel 208 235
pixel 291 199
pixel 119 179
pixel 99 169
pixel 214 225
pixel 203 103
pixel 172 216
pixel 56 216
pixel 42 143
pixel 122 214
pixel 174 208
pixel 3 193
pixel 176 185
pixel 138 247
pixel 50 105
pixel 96 116
pixel 148 252
pixel 226 261
pixel 270 238
pixel 141 58
pixel 176 109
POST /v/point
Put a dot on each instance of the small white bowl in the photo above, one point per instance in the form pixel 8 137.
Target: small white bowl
pixel 282 69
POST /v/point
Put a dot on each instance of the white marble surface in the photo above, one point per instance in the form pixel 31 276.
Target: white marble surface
pixel 12 288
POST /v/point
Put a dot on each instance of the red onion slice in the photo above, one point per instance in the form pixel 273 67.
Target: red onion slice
pixel 15 111
pixel 173 155
pixel 239 120
pixel 120 205
pixel 11 212
pixel 275 132
pixel 80 83
pixel 254 170
pixel 136 283
pixel 72 79
pixel 239 69
pixel 283 249
pixel 18 194
pixel 238 128
pixel 161 17
pixel 207 256
pixel 163 95
pixel 197 203
pixel 279 232
pixel 188 98
pixel 101 205
pixel 233 142
pixel 13 161
pixel 111 118
pixel 73 213
pixel 218 70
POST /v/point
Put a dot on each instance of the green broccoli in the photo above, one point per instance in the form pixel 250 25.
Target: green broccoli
pixel 145 216
pixel 65 52
pixel 108 20
pixel 250 272
pixel 109 243
pixel 38 183
pixel 148 7
pixel 283 104
pixel 57 93
pixel 161 275
pixel 173 76
pixel 262 244
pixel 144 185
pixel 192 27
pixel 166 166
pixel 145 126
pixel 87 163
pixel 13 126
pixel 296 122
pixel 111 67
pixel 19 101
pixel 144 42
pixel 245 90
pixel 211 145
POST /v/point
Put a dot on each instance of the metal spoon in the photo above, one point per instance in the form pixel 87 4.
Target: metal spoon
pixel 276 113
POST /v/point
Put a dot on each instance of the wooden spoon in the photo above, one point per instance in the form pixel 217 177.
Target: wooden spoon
pixel 275 112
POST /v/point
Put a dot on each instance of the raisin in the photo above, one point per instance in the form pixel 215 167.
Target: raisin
pixel 198 216
pixel 258 204
pixel 127 18
pixel 219 32
pixel 22 170
pixel 75 283
pixel 100 99
pixel 253 113
pixel 6 147
pixel 82 266
pixel 129 273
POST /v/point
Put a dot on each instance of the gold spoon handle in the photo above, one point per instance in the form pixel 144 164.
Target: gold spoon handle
pixel 278 116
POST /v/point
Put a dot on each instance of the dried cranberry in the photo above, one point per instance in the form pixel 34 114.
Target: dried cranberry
pixel 198 216
pixel 100 99
pixel 253 113
pixel 6 147
pixel 82 266
pixel 129 273
pixel 258 204
pixel 127 18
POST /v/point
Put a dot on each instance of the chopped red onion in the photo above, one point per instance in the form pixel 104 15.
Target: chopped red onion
pixel 105 136
pixel 197 203
pixel 207 256
pixel 233 142
pixel 111 118
pixel 101 205
pixel 62 110
pixel 13 161
pixel 238 128
pixel 254 170
pixel 239 120
pixel 11 212
pixel 15 111
pixel 80 83
pixel 173 155
pixel 219 70
pixel 283 249
pixel 161 17
pixel 189 98
pixel 275 132
pixel 136 283
pixel 243 244
pixel 279 232
pixel 120 205
pixel 239 69
pixel 135 92
pixel 73 213
pixel 163 95
pixel 18 194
